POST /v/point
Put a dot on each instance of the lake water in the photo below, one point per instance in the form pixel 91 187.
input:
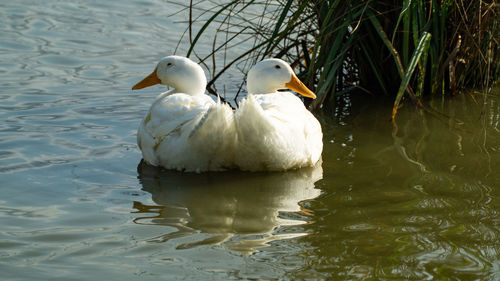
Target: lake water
pixel 76 203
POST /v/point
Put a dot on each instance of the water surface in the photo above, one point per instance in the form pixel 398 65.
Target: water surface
pixel 420 202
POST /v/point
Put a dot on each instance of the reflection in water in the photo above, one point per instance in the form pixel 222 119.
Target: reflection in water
pixel 421 204
pixel 246 208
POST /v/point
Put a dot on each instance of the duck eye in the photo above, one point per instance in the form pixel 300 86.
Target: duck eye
pixel 169 64
pixel 277 67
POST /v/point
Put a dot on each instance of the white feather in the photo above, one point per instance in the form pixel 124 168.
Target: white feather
pixel 186 130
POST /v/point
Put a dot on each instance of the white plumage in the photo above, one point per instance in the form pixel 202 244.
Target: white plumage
pixel 186 130
pixel 275 130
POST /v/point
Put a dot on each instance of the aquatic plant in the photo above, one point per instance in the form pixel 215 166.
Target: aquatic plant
pixel 397 48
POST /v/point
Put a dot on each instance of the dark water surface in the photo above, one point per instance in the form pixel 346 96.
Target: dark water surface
pixel 418 203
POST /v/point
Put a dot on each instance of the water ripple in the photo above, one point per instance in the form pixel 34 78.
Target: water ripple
pixel 37 164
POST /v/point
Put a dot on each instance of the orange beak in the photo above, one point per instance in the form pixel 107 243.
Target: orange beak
pixel 296 85
pixel 151 80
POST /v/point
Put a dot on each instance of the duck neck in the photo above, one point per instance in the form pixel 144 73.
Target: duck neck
pixel 192 90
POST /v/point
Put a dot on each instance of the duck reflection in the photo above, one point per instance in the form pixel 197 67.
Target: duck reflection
pixel 245 208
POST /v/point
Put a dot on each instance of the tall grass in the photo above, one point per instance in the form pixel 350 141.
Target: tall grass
pixel 398 48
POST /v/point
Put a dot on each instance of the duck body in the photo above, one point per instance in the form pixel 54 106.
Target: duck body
pixel 184 129
pixel 275 133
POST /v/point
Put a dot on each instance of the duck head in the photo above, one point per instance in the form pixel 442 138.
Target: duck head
pixel 180 73
pixel 271 75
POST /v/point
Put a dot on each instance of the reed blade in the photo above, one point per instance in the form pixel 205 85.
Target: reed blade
pixel 422 47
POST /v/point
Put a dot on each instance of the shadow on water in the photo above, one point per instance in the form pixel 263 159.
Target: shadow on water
pixel 248 210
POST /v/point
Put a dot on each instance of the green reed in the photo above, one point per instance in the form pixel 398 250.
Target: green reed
pixel 398 48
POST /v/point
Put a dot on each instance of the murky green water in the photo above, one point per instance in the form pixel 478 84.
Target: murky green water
pixel 76 204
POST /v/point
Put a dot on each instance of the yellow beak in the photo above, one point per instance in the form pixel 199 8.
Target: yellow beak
pixel 151 80
pixel 296 85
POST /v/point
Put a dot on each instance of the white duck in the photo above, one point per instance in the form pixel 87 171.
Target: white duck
pixel 274 129
pixel 185 129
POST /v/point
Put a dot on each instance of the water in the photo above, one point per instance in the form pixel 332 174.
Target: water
pixel 418 203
